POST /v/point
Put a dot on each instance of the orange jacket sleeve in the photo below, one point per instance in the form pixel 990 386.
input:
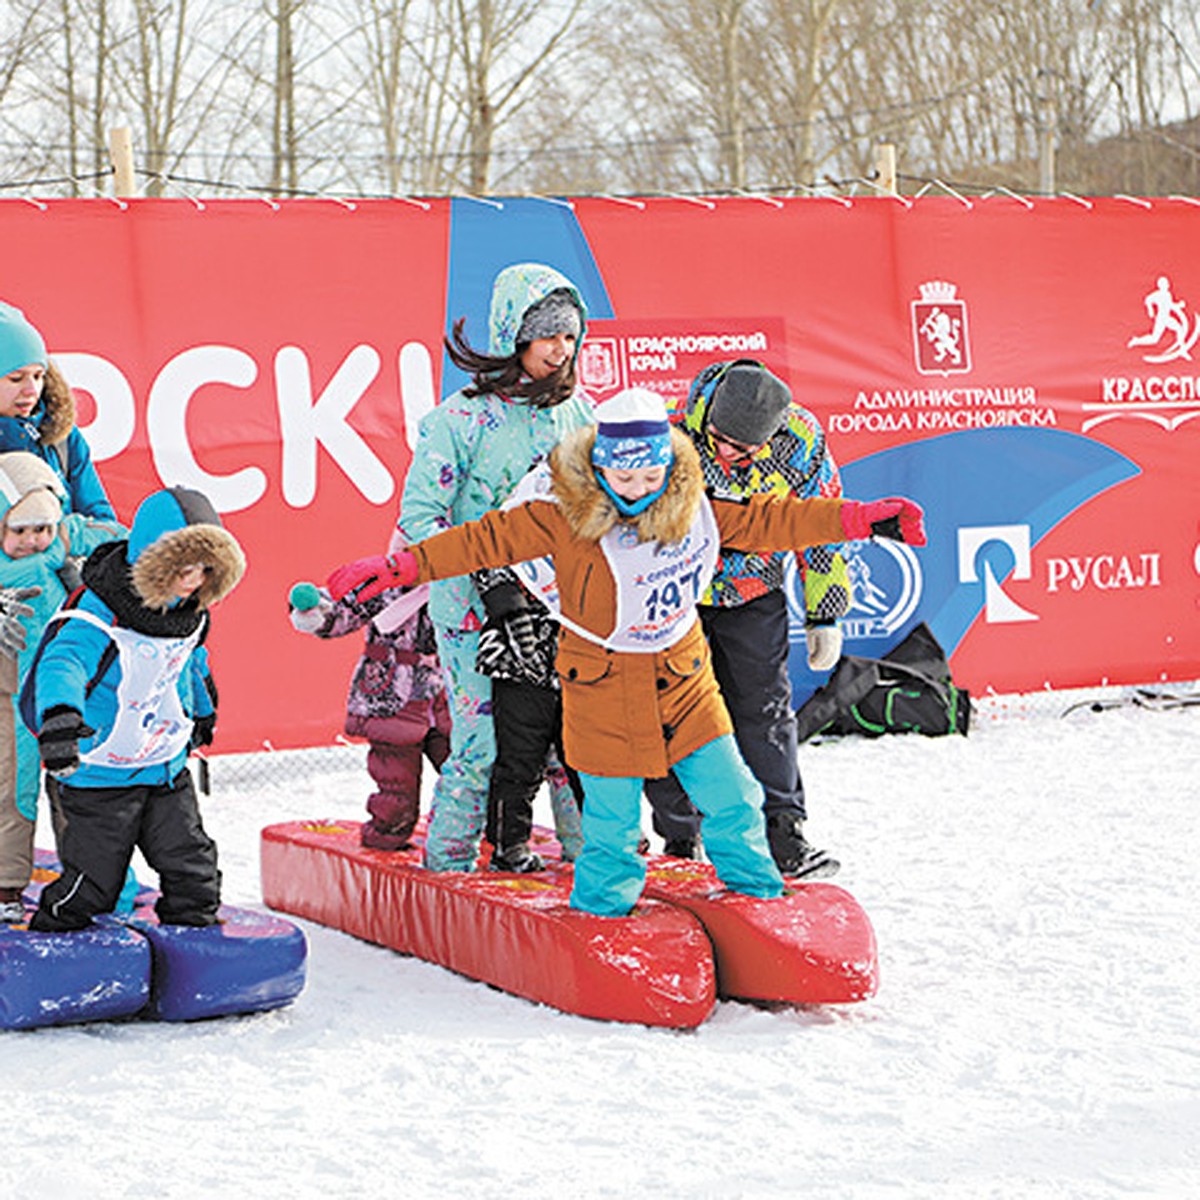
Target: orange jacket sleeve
pixel 769 523
pixel 498 539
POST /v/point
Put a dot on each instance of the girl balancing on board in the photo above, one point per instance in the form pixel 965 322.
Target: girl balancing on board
pixel 620 510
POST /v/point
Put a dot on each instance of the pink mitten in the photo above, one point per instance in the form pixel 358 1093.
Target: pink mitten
pixel 897 518
pixel 368 577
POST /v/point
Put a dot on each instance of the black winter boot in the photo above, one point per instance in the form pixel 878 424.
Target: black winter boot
pixel 682 848
pixel 12 907
pixel 792 853
pixel 519 860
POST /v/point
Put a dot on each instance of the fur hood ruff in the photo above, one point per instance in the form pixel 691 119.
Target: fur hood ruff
pixel 589 510
pixel 55 414
pixel 156 568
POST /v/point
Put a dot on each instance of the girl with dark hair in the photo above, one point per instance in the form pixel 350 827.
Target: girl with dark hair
pixel 472 451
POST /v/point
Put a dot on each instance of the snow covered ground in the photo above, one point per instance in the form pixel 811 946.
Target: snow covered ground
pixel 1034 891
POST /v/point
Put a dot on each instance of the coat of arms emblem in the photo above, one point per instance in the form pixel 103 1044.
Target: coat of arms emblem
pixel 941 345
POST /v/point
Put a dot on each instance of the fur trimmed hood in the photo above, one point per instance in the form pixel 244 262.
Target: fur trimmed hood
pixel 55 412
pixel 590 512
pixel 176 528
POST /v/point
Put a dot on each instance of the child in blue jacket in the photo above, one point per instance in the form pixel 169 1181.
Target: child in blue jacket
pixel 120 692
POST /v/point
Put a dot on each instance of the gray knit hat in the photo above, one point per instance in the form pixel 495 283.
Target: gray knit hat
pixel 749 404
pixel 554 313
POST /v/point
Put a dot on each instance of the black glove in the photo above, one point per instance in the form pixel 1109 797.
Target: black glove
pixel 12 609
pixel 522 635
pixel 503 600
pixel 58 741
pixel 203 729
pixel 507 604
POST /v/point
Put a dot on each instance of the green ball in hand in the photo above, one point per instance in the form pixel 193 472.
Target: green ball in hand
pixel 304 596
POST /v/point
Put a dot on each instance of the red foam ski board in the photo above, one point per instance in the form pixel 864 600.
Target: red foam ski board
pixel 516 932
pixel 814 945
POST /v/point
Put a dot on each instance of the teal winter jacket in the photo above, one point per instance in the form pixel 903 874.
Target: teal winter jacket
pixel 472 451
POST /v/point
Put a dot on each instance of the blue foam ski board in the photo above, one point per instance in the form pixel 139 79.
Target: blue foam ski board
pixel 249 962
pixel 58 978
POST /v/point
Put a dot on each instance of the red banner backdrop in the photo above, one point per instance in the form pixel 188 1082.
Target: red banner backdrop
pixel 1026 369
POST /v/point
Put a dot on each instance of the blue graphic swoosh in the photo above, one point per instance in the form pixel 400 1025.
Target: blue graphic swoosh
pixel 1010 476
pixel 488 235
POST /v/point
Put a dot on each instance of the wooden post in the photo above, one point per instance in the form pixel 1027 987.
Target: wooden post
pixel 1047 130
pixel 1047 122
pixel 120 152
pixel 885 166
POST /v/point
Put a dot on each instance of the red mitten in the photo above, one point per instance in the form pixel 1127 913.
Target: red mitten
pixel 368 577
pixel 896 518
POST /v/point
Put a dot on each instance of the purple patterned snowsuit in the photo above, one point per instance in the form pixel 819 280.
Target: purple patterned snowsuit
pixel 397 702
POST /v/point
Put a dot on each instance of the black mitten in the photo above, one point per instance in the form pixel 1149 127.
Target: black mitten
pixel 203 729
pixel 503 600
pixel 507 604
pixel 58 742
pixel 522 634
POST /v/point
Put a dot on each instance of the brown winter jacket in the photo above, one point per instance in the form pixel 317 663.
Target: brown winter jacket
pixel 624 713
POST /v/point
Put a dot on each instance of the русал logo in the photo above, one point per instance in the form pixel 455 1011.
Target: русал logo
pixel 998 607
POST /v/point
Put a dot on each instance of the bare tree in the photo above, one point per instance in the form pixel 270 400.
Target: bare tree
pixel 500 46
pixel 283 122
pixel 798 69
pixel 396 110
pixel 22 35
pixel 169 63
pixel 436 96
pixel 27 34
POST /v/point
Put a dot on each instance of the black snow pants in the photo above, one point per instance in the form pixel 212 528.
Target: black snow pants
pixel 98 829
pixel 528 723
pixel 750 651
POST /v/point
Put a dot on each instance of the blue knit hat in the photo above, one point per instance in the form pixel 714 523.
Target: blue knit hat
pixel 632 431
pixel 20 344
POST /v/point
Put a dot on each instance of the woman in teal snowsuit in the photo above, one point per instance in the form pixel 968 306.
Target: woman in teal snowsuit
pixel 472 451
pixel 30 489
pixel 37 415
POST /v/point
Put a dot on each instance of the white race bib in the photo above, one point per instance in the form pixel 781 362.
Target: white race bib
pixel 537 574
pixel 150 726
pixel 658 584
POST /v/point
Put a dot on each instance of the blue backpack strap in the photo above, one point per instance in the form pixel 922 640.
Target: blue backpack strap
pixel 27 701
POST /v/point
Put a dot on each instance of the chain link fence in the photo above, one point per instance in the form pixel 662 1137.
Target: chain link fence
pixel 275 768
pixel 223 773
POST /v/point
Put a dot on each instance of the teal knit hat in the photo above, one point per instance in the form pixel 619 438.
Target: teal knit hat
pixel 20 344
